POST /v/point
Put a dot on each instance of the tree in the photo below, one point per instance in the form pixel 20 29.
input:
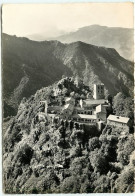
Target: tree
pixel 125 148
pixel 125 182
pixel 102 185
pixel 70 185
pixel 60 86
pixel 77 165
pixel 94 143
pixel 85 187
pixel 24 154
pixel 76 151
pixel 65 91
pixel 98 161
pixel 122 105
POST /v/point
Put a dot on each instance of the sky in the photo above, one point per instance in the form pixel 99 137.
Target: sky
pixel 52 20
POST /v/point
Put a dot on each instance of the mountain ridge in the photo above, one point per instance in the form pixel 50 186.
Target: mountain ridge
pixel 45 62
pixel 115 37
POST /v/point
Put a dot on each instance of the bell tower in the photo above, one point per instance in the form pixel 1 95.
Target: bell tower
pixel 98 91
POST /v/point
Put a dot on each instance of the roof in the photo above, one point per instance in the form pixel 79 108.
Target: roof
pixel 94 101
pixel 100 84
pixel 85 116
pixel 118 119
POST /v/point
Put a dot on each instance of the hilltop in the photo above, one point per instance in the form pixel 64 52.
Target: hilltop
pixel 45 156
pixel 31 65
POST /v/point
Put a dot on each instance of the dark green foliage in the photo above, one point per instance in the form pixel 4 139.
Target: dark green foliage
pixel 17 171
pixel 102 185
pixel 94 143
pixel 123 106
pixel 24 154
pixel 125 148
pixel 68 185
pixel 98 161
pixel 110 99
pixel 125 182
pixel 14 137
pixel 41 156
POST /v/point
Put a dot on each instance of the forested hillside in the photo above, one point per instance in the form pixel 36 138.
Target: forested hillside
pixel 29 65
pixel 45 156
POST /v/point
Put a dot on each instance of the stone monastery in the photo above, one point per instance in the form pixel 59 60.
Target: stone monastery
pixel 90 111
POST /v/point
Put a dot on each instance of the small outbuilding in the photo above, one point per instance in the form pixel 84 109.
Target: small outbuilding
pixel 118 121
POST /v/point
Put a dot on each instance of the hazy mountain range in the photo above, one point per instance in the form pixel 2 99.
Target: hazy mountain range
pixel 30 65
pixel 113 37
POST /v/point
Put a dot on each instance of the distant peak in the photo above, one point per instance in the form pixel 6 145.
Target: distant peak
pixel 93 26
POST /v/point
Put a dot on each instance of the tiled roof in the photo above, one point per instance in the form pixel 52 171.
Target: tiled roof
pixel 118 119
pixel 94 101
pixel 85 116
